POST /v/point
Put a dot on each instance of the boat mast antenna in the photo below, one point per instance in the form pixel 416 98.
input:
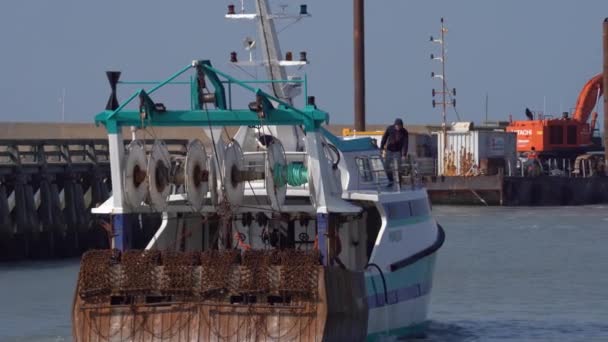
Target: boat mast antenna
pixel 444 92
pixel 284 86
pixel 272 57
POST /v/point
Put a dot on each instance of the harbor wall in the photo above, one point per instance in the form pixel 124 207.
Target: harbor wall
pixel 555 191
pixel 517 191
pixel 58 130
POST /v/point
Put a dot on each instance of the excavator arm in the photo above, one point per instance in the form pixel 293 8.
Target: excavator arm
pixel 588 97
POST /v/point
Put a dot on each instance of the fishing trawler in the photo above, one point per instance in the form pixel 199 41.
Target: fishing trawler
pixel 279 232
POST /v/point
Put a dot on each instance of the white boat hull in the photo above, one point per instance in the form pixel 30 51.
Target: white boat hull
pixel 398 298
pixel 408 296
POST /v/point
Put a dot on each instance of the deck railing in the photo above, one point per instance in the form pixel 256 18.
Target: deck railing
pixel 372 174
pixel 582 167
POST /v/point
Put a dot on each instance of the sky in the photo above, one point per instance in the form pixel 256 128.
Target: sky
pixel 520 53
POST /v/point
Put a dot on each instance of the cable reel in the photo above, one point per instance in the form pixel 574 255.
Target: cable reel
pixel 214 186
pixel 196 174
pixel 234 190
pixel 276 161
pixel 135 177
pixel 280 173
pixel 159 174
pixel 234 175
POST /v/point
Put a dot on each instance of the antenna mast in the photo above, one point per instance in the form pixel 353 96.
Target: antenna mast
pixel 443 91
pixel 274 62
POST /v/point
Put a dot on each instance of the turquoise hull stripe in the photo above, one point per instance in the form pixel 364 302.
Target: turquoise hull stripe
pixel 394 224
pixel 421 272
pixel 409 331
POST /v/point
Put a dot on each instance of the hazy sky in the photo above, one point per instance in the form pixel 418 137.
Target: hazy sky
pixel 521 52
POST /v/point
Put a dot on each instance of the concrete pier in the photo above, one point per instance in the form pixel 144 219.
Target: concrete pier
pixel 47 190
pixel 517 191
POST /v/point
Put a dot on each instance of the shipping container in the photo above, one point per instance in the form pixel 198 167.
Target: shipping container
pixel 475 152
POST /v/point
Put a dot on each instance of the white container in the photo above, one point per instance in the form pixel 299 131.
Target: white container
pixel 464 151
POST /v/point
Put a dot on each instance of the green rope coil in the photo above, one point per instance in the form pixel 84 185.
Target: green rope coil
pixel 294 174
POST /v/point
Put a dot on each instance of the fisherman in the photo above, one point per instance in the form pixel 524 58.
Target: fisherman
pixel 395 140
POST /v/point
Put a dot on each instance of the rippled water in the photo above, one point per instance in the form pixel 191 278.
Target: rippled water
pixel 504 274
pixel 35 300
pixel 513 274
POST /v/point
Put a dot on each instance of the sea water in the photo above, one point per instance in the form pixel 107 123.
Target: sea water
pixel 503 274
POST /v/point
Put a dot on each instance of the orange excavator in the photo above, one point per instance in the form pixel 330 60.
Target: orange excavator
pixel 563 137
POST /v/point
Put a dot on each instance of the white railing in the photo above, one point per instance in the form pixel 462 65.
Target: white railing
pixel 371 173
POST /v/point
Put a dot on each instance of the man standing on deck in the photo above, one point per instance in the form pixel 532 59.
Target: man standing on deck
pixel 395 139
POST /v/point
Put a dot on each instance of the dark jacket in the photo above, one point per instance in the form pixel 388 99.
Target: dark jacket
pixel 395 140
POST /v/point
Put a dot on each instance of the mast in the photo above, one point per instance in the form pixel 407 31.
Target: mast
pixel 272 61
pixel 444 92
pixel 443 103
pixel 271 50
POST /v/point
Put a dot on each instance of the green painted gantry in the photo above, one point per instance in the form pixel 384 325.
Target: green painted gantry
pixel 260 112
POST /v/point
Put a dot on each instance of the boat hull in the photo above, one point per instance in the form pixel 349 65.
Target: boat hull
pixel 399 277
pixel 404 309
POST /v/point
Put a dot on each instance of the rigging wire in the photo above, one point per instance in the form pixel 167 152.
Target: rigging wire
pixel 244 70
pixel 295 21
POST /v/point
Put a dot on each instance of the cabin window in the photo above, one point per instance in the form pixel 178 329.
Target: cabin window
pixel 571 135
pixel 377 165
pixel 365 170
pixel 398 210
pixel 404 210
pixel 557 135
pixel 420 207
pixel 371 169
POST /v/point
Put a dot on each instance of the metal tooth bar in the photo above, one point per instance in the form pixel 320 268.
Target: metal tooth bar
pixel 201 303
